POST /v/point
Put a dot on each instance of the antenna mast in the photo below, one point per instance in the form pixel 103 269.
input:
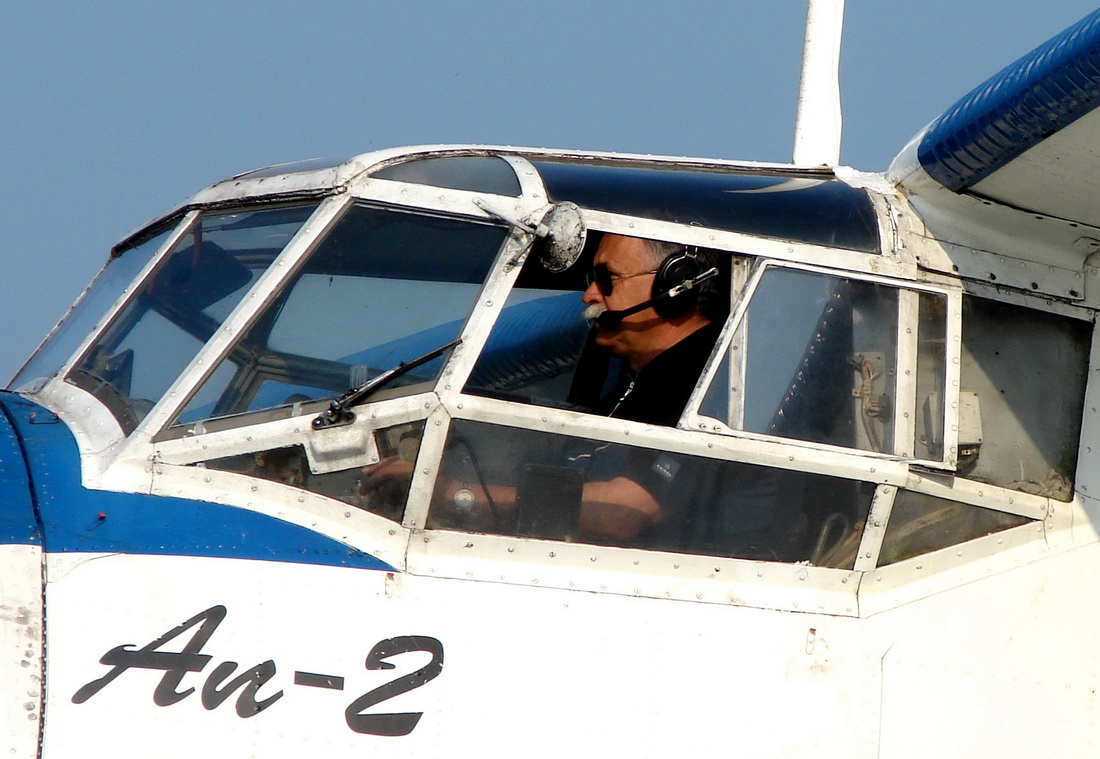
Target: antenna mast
pixel 818 123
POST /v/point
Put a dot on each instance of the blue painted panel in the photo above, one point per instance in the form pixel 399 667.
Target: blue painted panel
pixel 77 519
pixel 1041 93
pixel 17 521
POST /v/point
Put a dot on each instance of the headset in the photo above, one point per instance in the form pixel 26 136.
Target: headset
pixel 674 288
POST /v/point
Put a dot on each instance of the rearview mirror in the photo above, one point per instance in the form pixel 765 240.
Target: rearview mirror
pixel 563 242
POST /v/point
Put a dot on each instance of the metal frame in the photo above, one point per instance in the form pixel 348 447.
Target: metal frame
pixel 906 382
pixel 170 466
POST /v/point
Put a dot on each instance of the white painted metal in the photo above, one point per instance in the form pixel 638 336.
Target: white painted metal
pixel 1056 177
pixel 22 656
pixel 875 530
pixel 554 647
pixel 818 121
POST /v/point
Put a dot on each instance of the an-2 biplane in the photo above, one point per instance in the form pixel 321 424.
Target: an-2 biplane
pixel 890 459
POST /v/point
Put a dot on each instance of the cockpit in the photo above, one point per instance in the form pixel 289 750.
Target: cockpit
pixel 853 412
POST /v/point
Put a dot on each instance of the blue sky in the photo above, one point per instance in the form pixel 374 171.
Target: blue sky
pixel 115 111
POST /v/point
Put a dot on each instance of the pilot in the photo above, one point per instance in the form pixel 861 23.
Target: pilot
pixel 662 341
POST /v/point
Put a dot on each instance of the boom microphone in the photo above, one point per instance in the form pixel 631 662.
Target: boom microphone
pixel 612 319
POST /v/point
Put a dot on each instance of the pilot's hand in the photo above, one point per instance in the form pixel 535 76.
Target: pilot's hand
pixel 390 469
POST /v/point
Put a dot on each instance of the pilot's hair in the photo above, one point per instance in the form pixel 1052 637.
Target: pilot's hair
pixel 712 299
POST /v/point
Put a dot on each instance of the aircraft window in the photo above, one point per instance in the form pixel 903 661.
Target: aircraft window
pixel 384 287
pixel 476 174
pixel 921 524
pixel 511 481
pixel 806 208
pixel 814 358
pixel 290 466
pixel 931 378
pixel 536 342
pixel 1023 387
pixel 105 289
pixel 155 336
pixel 293 167
pixel 541 349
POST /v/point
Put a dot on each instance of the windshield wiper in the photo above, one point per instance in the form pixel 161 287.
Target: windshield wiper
pixel 338 413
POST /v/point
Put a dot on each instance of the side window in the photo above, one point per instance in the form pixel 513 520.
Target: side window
pixel 921 524
pixel 384 287
pixel 512 481
pixel 290 466
pixel 815 357
pixel 534 347
pixel 1023 387
pixel 107 287
pixel 181 304
pixel 605 336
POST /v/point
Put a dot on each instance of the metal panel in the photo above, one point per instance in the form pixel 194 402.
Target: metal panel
pixel 78 520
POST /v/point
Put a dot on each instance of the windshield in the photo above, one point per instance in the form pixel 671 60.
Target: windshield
pixel 180 305
pixel 384 287
pixel 105 289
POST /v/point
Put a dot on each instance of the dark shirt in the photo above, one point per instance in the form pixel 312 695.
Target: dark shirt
pixel 657 394
pixel 659 391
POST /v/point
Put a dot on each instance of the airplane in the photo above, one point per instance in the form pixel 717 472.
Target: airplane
pixel 885 543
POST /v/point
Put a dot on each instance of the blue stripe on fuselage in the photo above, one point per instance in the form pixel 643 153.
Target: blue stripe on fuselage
pixel 76 519
pixel 1041 93
pixel 18 524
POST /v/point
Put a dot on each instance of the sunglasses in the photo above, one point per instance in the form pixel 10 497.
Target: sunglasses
pixel 605 280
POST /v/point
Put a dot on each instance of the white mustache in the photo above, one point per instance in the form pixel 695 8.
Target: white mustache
pixel 592 312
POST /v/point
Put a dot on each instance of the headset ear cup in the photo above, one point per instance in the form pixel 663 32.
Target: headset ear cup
pixel 676 270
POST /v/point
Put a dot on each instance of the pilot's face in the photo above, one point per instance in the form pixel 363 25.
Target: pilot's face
pixel 628 261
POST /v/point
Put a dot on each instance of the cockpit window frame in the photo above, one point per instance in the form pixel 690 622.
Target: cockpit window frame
pixel 906 378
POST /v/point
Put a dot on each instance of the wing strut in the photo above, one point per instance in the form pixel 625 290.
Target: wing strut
pixel 817 126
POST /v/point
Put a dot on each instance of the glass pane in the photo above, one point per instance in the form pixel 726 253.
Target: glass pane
pixel 543 350
pixel 931 376
pixel 921 524
pixel 294 167
pixel 1023 385
pixel 511 481
pixel 105 289
pixel 289 466
pixel 532 352
pixel 813 359
pixel 533 349
pixel 476 174
pixel 801 208
pixel 181 305
pixel 383 288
